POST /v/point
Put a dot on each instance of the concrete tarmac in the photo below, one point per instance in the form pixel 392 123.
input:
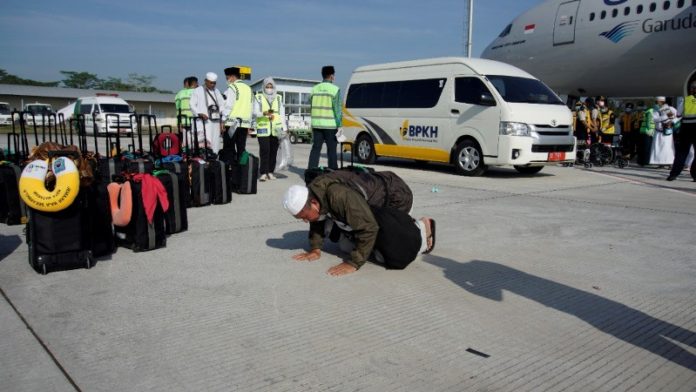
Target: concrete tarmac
pixel 570 280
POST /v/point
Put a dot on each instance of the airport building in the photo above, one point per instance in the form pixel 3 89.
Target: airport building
pixel 296 96
pixel 161 105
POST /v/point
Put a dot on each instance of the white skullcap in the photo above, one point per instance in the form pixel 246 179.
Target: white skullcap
pixel 660 98
pixel 295 199
pixel 212 76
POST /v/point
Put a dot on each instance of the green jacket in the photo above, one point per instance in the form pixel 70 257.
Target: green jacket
pixel 343 204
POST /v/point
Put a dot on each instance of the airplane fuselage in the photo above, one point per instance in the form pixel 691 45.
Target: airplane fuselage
pixel 604 47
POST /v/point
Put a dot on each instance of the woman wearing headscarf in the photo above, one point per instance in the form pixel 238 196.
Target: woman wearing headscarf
pixel 270 123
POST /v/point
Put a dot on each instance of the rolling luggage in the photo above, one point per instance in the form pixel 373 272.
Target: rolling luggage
pixel 141 234
pixel 245 174
pixel 13 211
pixel 175 218
pixel 181 169
pixel 60 240
pixel 200 181
pixel 221 191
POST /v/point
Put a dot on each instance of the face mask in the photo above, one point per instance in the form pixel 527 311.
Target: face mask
pixel 578 107
pixel 628 110
pixel 269 91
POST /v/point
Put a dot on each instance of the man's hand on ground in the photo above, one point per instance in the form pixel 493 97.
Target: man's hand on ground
pixel 312 255
pixel 341 269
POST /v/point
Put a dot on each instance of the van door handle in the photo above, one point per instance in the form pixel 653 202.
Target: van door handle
pixel 455 111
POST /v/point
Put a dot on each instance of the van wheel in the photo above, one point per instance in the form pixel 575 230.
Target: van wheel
pixel 528 169
pixel 364 149
pixel 468 159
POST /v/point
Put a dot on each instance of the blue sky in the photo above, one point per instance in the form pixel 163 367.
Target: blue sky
pixel 174 39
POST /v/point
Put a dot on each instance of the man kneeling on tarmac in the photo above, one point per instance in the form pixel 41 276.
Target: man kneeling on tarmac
pixel 391 235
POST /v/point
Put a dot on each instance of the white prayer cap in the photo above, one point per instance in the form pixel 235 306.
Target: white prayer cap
pixel 660 98
pixel 212 76
pixel 295 199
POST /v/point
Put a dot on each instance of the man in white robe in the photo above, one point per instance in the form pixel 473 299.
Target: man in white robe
pixel 207 106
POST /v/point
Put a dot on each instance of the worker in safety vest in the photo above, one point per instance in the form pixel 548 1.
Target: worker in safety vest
pixel 606 121
pixel 648 124
pixel 182 102
pixel 270 123
pixel 326 118
pixel 687 135
pixel 629 130
pixel 239 104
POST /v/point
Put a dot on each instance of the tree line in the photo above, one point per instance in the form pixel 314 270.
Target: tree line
pixel 89 81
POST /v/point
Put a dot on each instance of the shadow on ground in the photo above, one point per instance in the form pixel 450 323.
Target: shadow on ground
pixel 489 280
pixel 8 244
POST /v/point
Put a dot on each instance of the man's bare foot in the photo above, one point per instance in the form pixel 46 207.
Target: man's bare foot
pixel 429 234
pixel 341 269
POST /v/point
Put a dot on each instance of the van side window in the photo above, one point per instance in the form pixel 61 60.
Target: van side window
pixel 424 93
pixel 85 109
pixel 469 90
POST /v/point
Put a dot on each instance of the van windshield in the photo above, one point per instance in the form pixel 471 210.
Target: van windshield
pixel 114 108
pixel 523 90
pixel 5 109
pixel 39 109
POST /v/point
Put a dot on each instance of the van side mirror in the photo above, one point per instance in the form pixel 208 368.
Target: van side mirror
pixel 487 100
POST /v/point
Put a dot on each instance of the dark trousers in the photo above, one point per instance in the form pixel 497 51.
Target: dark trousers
pixel 628 143
pixel 686 139
pixel 644 147
pixel 268 149
pixel 236 144
pixel 399 239
pixel 319 136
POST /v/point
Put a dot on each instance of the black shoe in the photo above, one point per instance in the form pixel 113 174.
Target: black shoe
pixel 672 178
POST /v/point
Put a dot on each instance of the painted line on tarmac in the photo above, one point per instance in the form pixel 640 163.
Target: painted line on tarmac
pixel 639 182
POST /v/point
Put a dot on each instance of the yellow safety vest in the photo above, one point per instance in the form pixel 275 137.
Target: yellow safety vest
pixel 183 102
pixel 263 123
pixel 607 125
pixel 323 116
pixel 243 105
pixel 689 115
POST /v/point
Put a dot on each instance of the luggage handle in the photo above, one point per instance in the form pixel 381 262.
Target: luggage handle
pixel 64 153
pixel 109 145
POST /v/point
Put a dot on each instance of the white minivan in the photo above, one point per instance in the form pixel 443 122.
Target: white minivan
pixel 97 110
pixel 5 114
pixel 472 113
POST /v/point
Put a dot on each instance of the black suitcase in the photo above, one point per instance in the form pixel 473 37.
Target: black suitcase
pixel 201 191
pixel 13 211
pixel 59 240
pixel 244 177
pixel 140 235
pixel 181 169
pixel 103 242
pixel 219 182
pixel 176 218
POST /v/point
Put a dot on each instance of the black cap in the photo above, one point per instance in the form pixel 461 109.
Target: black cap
pixel 629 105
pixel 232 71
pixel 327 71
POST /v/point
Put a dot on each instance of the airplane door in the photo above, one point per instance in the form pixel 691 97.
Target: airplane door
pixel 566 18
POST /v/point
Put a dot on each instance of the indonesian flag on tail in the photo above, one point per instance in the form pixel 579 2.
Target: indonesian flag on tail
pixel 529 29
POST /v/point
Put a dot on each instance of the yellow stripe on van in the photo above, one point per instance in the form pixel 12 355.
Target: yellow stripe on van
pixel 408 152
pixel 349 121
